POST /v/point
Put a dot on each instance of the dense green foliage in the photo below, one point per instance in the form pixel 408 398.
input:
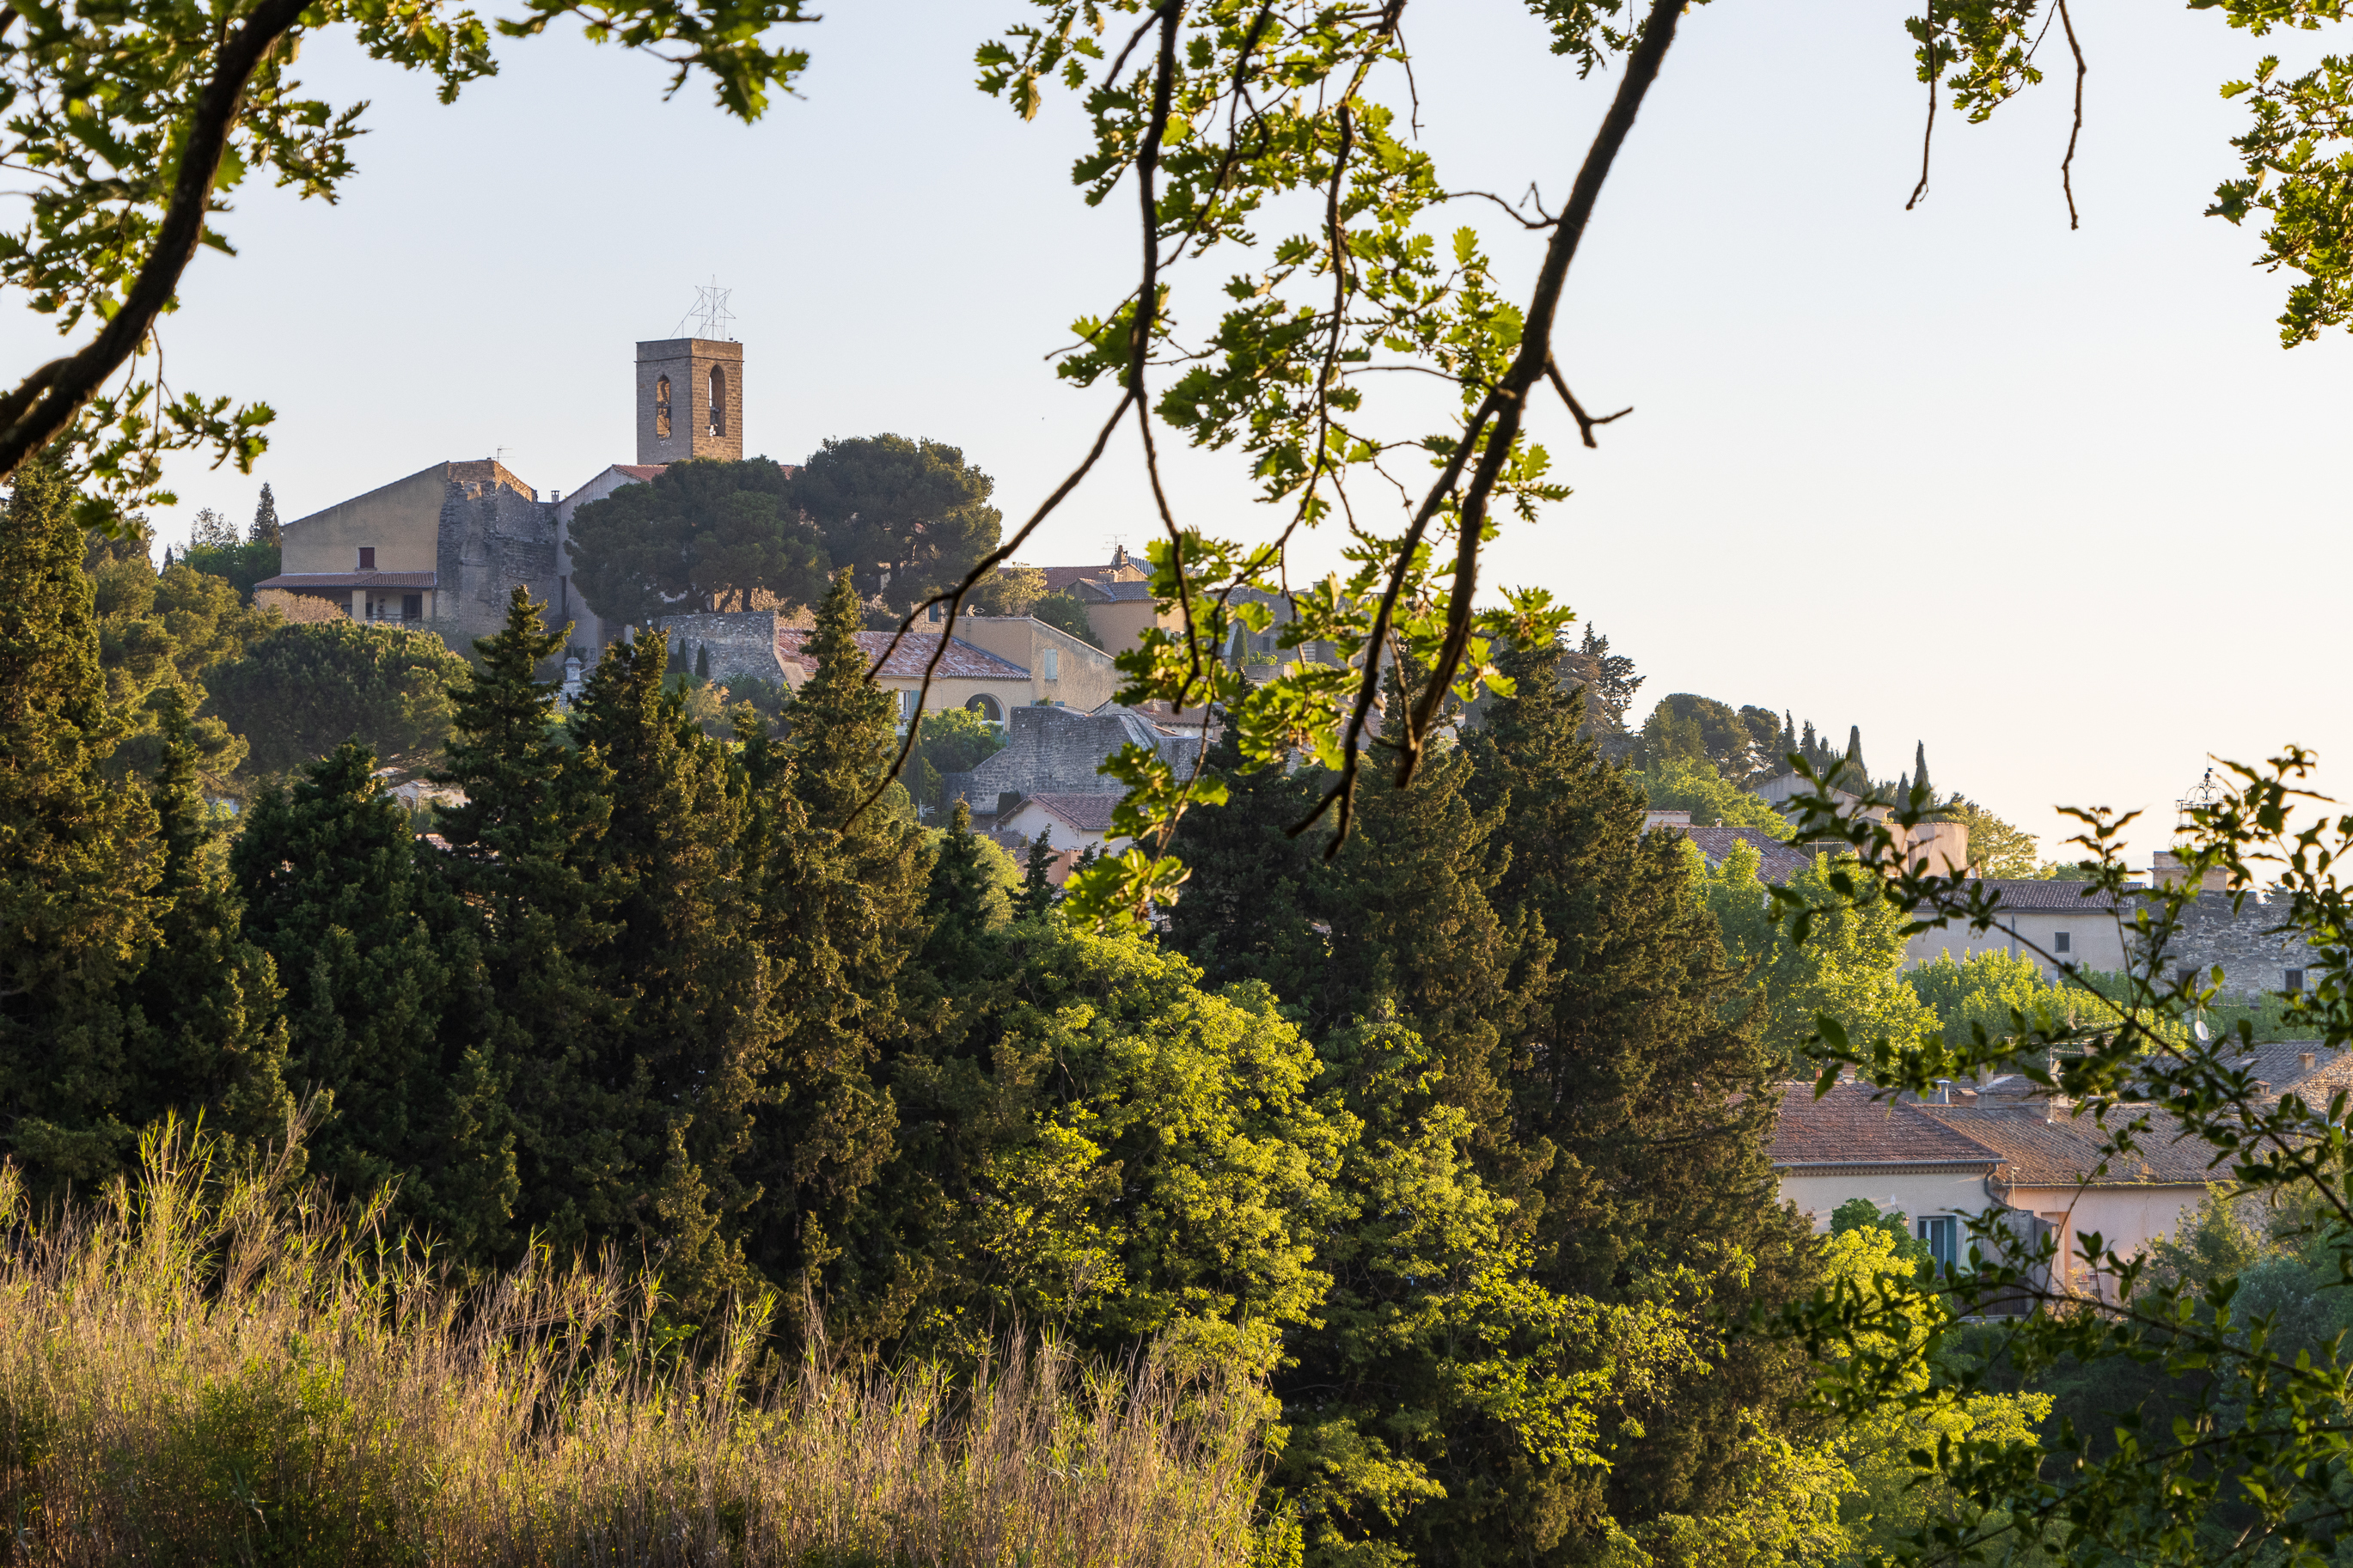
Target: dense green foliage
pixel 303 691
pixel 908 518
pixel 703 535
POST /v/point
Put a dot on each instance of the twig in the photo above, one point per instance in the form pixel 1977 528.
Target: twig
pixel 1585 422
pixel 48 399
pixel 2066 164
pixel 1936 77
pixel 1534 352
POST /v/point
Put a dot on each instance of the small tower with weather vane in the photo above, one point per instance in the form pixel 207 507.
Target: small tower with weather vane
pixel 691 390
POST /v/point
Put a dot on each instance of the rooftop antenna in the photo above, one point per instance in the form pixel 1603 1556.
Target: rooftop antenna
pixel 500 456
pixel 711 315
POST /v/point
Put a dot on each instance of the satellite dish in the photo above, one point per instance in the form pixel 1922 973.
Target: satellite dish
pixel 2199 1028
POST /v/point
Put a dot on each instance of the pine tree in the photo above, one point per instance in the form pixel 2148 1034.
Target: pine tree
pixel 204 1036
pixel 518 844
pixel 1649 1078
pixel 79 858
pixel 962 907
pixel 265 520
pixel 1037 887
pixel 383 999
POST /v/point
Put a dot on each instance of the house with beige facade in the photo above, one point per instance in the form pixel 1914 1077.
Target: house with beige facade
pixel 2005 1148
pixel 442 549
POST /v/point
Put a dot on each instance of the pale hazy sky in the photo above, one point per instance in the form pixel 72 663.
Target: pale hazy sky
pixel 2055 503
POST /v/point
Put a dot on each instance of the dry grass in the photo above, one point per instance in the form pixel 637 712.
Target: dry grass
pixel 209 1368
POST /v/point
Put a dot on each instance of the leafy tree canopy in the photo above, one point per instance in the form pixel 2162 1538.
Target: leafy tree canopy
pixel 1011 590
pixel 702 536
pixel 1065 613
pixel 908 518
pixel 303 690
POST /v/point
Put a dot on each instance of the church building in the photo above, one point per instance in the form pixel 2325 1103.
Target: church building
pixel 442 549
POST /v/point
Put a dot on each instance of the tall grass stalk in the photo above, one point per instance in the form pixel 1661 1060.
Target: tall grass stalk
pixel 214 1366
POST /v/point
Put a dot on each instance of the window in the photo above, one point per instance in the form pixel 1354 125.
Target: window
pixel 412 607
pixel 1942 1232
pixel 718 400
pixel 2294 982
pixel 661 408
pixel 935 615
pixel 2062 943
pixel 1054 664
pixel 368 557
pixel 906 706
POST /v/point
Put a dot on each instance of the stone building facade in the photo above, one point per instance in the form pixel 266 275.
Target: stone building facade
pixel 2245 943
pixel 442 549
pixel 1057 750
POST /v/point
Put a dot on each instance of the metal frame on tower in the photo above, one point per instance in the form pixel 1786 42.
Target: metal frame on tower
pixel 711 310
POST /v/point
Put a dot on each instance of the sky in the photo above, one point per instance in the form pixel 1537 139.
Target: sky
pixel 2053 503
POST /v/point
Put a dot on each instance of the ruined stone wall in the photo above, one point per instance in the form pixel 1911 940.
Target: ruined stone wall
pixel 491 540
pixel 742 644
pixel 1058 749
pixel 2254 957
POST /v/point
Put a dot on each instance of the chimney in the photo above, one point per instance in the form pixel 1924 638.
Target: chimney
pixel 2304 1059
pixel 1943 1092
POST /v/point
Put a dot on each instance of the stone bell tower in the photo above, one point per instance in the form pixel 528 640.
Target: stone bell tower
pixel 689 400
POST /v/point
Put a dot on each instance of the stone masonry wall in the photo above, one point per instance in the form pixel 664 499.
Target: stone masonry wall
pixel 1058 749
pixel 491 542
pixel 742 644
pixel 2253 957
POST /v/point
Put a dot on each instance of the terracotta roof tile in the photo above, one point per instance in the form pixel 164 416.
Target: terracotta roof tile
pixel 962 660
pixel 1849 1127
pixel 1087 813
pixel 2062 898
pixel 1776 861
pixel 297 582
pixel 2037 1151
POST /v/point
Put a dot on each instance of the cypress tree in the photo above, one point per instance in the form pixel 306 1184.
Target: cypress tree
pixel 702 662
pixel 1249 906
pixel 205 1037
pixel 1853 777
pixel 1037 887
pixel 842 898
pixel 517 850
pixel 1649 1077
pixel 265 520
pixel 79 858
pixel 383 1000
pixel 691 1028
pixel 961 908
pixel 1920 770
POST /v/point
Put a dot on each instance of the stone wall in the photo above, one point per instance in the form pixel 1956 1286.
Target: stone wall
pixel 2254 958
pixel 1054 750
pixel 742 644
pixel 491 542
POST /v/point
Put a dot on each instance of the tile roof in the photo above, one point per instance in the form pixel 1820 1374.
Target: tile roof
pixel 1776 861
pixel 2037 1151
pixel 1848 1126
pixel 296 582
pixel 1087 813
pixel 2062 898
pixel 2013 1137
pixel 642 472
pixel 1111 592
pixel 962 660
pixel 1060 578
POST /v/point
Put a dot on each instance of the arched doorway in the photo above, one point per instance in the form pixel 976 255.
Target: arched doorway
pixel 988 707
